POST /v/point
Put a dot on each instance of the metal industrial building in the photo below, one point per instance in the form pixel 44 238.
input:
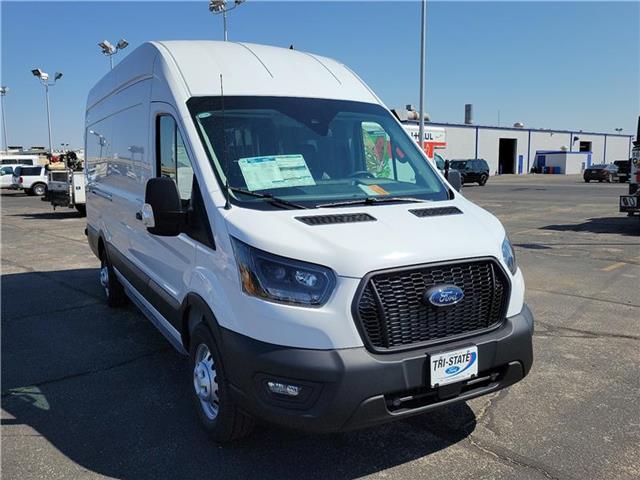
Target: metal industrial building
pixel 513 149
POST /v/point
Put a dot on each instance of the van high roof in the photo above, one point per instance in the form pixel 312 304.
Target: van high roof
pixel 247 69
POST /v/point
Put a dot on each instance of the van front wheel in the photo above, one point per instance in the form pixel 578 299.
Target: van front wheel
pixel 219 415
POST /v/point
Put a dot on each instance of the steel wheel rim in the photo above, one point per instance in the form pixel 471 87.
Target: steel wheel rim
pixel 104 278
pixel 205 382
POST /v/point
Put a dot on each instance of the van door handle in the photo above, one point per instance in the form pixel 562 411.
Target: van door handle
pixel 139 216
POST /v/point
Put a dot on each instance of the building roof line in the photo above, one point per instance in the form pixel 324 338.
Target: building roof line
pixel 491 127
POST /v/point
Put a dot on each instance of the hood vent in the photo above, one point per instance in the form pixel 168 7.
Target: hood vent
pixel 338 218
pixel 436 212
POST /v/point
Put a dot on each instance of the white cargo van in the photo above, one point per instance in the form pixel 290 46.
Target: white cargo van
pixel 271 217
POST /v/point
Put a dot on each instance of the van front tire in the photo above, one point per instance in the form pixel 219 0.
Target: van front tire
pixel 219 415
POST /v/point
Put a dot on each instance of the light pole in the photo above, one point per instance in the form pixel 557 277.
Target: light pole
pixel 44 79
pixel 619 130
pixel 109 50
pixel 3 91
pixel 423 28
pixel 218 7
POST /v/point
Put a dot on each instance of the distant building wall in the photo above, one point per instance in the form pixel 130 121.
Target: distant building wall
pixel 477 141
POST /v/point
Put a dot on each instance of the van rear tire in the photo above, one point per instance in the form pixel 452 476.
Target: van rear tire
pixel 82 209
pixel 113 289
pixel 219 415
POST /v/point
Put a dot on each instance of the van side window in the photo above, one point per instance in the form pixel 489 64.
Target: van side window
pixel 172 158
pixel 173 162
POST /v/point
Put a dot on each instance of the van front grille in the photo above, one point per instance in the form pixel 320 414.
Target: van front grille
pixel 393 314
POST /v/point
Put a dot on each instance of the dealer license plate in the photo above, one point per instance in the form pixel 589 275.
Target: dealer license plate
pixel 453 366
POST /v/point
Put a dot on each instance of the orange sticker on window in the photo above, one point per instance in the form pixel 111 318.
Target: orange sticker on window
pixel 378 189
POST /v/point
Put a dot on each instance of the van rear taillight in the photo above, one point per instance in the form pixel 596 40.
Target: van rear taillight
pixel 20 180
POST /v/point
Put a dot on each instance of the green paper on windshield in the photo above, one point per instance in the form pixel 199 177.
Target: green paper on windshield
pixel 275 171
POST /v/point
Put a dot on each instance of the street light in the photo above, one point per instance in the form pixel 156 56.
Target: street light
pixel 44 79
pixel 3 91
pixel 109 50
pixel 619 130
pixel 423 27
pixel 221 7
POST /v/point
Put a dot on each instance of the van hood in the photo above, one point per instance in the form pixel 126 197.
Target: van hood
pixel 397 237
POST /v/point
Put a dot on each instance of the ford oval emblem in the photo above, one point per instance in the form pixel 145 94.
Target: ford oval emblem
pixel 444 295
pixel 452 370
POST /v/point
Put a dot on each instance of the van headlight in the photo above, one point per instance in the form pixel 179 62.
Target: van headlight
pixel 281 279
pixel 509 255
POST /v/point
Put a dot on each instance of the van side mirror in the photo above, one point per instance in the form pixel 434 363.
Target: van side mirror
pixel 162 212
pixel 455 179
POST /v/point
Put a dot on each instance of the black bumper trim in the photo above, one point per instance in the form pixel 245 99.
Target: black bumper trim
pixel 353 386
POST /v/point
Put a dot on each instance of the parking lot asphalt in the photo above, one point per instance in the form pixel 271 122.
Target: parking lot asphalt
pixel 93 392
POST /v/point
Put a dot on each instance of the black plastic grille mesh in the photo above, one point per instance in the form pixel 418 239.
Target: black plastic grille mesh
pixel 339 218
pixel 394 314
pixel 436 212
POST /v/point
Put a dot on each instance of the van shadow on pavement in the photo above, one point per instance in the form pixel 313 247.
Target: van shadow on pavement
pixel 621 225
pixel 105 389
pixel 52 215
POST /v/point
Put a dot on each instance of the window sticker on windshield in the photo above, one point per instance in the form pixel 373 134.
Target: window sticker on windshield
pixel 275 171
pixel 373 189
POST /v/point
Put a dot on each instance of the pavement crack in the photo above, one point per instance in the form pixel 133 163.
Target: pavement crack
pixel 509 457
pixel 20 390
pixel 582 333
pixel 614 302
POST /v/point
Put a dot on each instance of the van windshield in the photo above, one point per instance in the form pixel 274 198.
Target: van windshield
pixel 311 151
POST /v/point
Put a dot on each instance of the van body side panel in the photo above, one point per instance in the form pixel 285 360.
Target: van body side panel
pixel 116 161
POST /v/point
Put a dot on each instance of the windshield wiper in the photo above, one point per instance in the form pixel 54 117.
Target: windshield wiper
pixel 279 202
pixel 371 201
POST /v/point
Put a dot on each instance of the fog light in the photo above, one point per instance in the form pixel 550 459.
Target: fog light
pixel 284 389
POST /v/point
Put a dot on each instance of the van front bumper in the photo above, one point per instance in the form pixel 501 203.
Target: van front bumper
pixel 352 388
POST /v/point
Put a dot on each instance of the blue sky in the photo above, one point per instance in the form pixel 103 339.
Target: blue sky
pixel 573 65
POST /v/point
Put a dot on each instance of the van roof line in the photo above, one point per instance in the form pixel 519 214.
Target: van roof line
pixel 248 69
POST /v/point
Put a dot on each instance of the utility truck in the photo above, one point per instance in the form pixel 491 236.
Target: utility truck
pixel 630 204
pixel 66 183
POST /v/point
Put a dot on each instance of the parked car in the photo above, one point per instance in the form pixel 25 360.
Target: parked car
pixel 602 173
pixel 624 170
pixel 472 170
pixel 6 174
pixel 33 180
pixel 258 232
